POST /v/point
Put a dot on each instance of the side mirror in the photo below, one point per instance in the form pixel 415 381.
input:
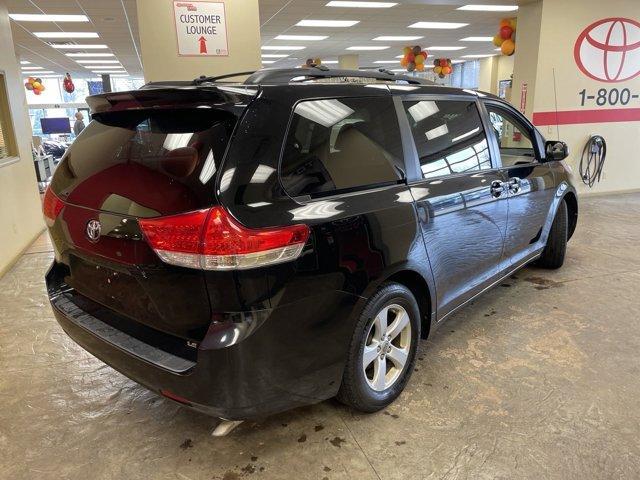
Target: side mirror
pixel 556 150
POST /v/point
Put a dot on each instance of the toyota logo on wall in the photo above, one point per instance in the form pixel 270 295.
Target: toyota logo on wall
pixel 609 50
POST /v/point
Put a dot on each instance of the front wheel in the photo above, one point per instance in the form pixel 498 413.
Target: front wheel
pixel 383 349
pixel 553 254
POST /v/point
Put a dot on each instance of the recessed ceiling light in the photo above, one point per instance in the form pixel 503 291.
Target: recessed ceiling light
pixel 399 38
pixel 24 62
pixel 282 47
pixel 274 55
pixel 268 61
pixel 364 48
pixel 386 61
pixel 89 54
pixel 489 8
pixel 77 46
pixel 32 68
pixel 98 61
pixel 478 56
pixel 350 4
pixel 476 39
pixel 445 48
pixel 327 23
pixel 38 17
pixel 66 34
pixel 302 37
pixel 438 25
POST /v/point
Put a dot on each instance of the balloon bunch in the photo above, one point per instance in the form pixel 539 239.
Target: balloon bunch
pixel 442 67
pixel 67 84
pixel 312 62
pixel 506 37
pixel 35 85
pixel 414 58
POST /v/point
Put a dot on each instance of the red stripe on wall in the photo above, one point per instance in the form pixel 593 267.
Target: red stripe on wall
pixel 569 117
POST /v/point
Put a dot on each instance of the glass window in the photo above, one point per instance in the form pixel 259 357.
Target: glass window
pixel 449 137
pixel 338 144
pixel 514 140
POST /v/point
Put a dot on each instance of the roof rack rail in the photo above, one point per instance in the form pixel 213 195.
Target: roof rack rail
pixel 292 75
pixel 205 79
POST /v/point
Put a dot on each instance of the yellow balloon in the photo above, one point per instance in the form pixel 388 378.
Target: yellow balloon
pixel 407 50
pixel 497 40
pixel 513 23
pixel 437 70
pixel 317 61
pixel 419 60
pixel 36 85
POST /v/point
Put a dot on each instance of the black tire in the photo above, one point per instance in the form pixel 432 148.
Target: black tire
pixel 553 254
pixel 355 390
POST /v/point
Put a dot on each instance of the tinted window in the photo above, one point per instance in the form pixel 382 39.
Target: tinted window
pixel 513 138
pixel 338 144
pixel 449 137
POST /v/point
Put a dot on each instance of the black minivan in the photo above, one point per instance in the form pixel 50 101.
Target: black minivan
pixel 245 248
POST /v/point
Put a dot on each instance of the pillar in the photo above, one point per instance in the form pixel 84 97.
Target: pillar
pixel 560 78
pixel 348 62
pixel 198 38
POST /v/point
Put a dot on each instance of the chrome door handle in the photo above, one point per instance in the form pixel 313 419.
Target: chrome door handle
pixel 514 185
pixel 497 187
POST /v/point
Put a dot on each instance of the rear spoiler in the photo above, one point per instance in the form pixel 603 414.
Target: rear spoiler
pixel 163 96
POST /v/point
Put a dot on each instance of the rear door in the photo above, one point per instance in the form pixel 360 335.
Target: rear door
pixel 459 196
pixel 530 182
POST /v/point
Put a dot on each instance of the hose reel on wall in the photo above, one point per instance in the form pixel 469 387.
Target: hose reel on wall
pixel 592 160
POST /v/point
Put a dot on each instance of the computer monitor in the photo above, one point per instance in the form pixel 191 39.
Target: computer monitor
pixel 55 125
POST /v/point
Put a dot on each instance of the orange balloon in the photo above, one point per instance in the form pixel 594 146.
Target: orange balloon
pixel 508 47
pixel 420 67
pixel 505 22
pixel 447 70
pixel 404 62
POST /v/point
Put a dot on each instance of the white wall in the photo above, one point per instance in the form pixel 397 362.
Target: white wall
pixel 20 212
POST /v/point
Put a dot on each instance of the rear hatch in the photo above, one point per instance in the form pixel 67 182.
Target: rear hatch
pixel 145 154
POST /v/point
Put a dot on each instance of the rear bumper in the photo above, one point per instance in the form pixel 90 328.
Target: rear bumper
pixel 248 365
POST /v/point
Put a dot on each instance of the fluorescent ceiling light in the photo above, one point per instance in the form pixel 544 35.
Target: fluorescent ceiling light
pixel 399 70
pixel 282 47
pixel 476 39
pixel 57 75
pixel 66 34
pixel 32 68
pixel 274 55
pixel 268 61
pixel 107 71
pixel 89 54
pixel 120 75
pixel 364 48
pixel 325 112
pixel 107 67
pixel 34 74
pixel 39 17
pixel 438 25
pixel 456 61
pixel 78 46
pixel 489 8
pixel 24 62
pixel 330 62
pixel 386 61
pixel 423 109
pixel 445 48
pixel 398 38
pixel 302 37
pixel 98 61
pixel 437 132
pixel 327 23
pixel 479 56
pixel 349 4
pixel 465 135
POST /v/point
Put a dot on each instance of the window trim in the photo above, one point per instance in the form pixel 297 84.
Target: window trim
pixel 340 191
pixel 5 108
pixel 510 110
pixel 415 159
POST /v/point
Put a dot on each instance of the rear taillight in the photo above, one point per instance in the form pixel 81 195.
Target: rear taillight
pixel 51 207
pixel 213 240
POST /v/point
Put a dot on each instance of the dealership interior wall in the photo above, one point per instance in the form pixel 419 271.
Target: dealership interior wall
pixel 560 80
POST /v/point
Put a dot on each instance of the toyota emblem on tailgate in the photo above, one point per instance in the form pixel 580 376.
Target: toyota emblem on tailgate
pixel 93 230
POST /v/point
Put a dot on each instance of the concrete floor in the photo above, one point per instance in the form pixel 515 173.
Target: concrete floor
pixel 537 379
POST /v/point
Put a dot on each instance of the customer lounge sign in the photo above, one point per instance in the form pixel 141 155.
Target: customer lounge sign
pixel 201 28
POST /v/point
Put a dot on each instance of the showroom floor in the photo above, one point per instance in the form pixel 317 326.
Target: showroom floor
pixel 537 379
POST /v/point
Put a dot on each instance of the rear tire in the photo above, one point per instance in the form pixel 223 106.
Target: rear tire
pixel 385 339
pixel 553 254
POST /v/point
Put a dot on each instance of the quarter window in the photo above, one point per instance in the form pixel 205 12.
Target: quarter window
pixel 342 143
pixel 449 137
pixel 514 140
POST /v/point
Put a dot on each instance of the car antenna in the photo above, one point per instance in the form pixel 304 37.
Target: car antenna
pixel 555 95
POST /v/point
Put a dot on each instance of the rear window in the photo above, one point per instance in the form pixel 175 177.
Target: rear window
pixel 144 162
pixel 341 144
